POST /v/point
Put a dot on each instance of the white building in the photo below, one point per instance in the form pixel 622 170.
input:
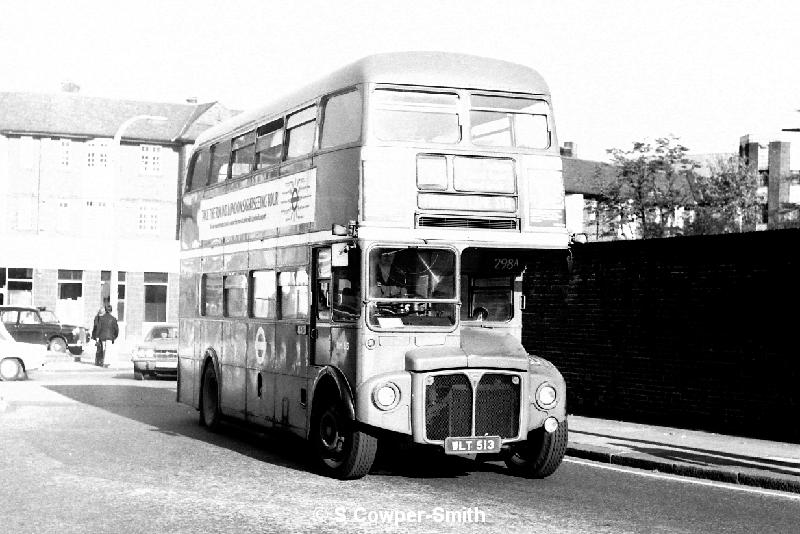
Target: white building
pixel 84 220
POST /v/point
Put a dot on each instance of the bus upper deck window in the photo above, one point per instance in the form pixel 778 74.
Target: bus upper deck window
pixel 300 131
pixel 421 116
pixel 269 144
pixel 506 121
pixel 342 120
pixel 243 154
pixel 220 160
pixel 198 175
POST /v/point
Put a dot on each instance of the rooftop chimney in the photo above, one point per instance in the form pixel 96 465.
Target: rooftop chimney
pixel 70 87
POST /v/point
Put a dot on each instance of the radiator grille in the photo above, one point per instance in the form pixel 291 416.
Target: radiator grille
pixel 448 407
pixel 497 406
pixel 467 222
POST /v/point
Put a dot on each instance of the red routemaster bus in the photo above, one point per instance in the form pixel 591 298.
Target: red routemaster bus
pixel 352 258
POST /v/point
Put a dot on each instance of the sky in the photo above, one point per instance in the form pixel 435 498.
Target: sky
pixel 619 71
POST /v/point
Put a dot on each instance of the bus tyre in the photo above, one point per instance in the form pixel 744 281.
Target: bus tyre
pixel 209 399
pixel 541 454
pixel 11 369
pixel 343 451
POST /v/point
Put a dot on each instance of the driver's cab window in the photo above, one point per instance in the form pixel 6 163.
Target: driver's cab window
pixel 346 284
pixel 337 287
pixel 487 298
pixel 323 284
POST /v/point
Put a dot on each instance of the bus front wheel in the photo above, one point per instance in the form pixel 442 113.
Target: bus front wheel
pixel 343 451
pixel 541 454
pixel 209 399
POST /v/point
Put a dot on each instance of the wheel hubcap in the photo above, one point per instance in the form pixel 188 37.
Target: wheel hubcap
pixel 332 440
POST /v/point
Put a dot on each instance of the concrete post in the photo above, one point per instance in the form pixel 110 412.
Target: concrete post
pixel 778 185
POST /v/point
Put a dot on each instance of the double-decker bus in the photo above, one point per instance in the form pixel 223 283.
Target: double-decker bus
pixel 352 258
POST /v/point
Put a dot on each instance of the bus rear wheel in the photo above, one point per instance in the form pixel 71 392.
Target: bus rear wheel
pixel 343 451
pixel 209 399
pixel 541 454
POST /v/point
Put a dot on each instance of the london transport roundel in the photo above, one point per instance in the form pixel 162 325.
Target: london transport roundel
pixel 261 343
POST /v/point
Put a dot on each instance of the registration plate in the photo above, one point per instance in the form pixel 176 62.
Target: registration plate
pixel 472 445
pixel 167 365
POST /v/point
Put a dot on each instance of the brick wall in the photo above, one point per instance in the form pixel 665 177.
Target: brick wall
pixel 694 332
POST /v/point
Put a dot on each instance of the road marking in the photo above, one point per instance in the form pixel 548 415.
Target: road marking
pixel 687 480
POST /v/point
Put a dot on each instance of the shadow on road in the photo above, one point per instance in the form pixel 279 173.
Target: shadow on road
pixel 157 407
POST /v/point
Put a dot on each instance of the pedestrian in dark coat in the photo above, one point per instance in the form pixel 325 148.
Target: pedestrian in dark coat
pixel 104 332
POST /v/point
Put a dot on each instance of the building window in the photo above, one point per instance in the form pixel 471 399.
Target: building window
pixel 150 159
pixel 70 284
pixel 66 145
pixel 16 286
pixel 23 214
pixel 121 295
pixel 155 297
pixel 97 153
pixel 148 219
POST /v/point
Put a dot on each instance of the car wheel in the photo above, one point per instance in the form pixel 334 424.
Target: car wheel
pixel 138 375
pixel 11 369
pixel 541 454
pixel 57 344
pixel 343 451
pixel 209 399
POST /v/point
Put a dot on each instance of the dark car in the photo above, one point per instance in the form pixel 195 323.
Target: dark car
pixel 157 354
pixel 28 324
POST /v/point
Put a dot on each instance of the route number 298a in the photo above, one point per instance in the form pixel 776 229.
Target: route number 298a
pixel 506 264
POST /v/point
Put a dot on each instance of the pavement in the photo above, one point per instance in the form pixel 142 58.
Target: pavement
pixel 737 460
pixel 706 455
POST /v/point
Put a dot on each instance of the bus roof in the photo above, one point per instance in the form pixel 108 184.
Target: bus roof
pixel 432 69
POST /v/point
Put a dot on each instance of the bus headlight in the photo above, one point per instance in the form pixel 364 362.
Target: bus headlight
pixel 386 396
pixel 546 396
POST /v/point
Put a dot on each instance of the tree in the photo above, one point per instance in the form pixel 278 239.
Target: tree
pixel 726 198
pixel 650 187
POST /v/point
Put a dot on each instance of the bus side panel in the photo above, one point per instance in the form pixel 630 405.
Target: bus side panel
pixel 187 360
pixel 337 187
pixel 260 396
pixel 232 367
pixel 344 345
pixel 209 341
pixel 291 341
pixel 187 339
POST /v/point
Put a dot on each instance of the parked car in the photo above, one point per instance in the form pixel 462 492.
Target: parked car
pixel 29 324
pixel 157 354
pixel 18 359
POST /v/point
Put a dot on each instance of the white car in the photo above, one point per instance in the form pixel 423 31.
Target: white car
pixel 18 359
